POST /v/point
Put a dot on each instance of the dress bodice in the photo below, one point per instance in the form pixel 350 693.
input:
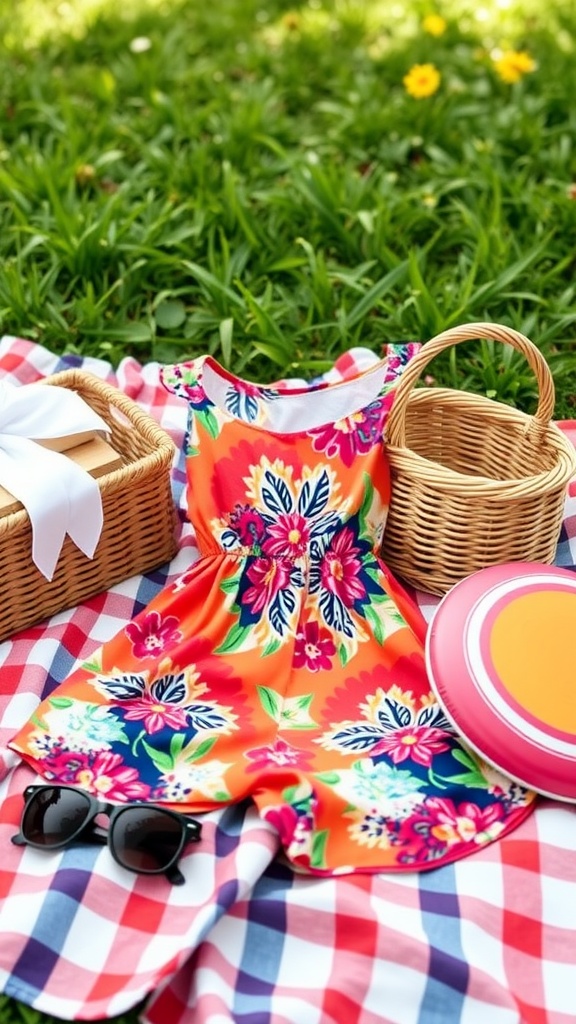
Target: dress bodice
pixel 277 473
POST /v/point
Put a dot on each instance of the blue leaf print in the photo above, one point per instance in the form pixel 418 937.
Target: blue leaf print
pixel 278 499
pixel 282 605
pixel 394 715
pixel 321 533
pixel 325 528
pixel 204 716
pixel 432 714
pixel 242 405
pixel 230 540
pixel 317 550
pixel 314 577
pixel 313 499
pixel 170 689
pixel 123 687
pixel 297 577
pixel 335 614
pixel 358 737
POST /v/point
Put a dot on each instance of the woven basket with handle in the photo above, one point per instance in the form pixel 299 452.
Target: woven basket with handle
pixel 474 482
pixel 140 525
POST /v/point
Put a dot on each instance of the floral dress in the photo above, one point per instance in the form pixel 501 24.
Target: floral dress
pixel 286 665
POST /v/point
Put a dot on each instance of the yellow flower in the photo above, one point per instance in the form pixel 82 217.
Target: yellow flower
pixel 434 25
pixel 422 80
pixel 291 21
pixel 85 174
pixel 512 64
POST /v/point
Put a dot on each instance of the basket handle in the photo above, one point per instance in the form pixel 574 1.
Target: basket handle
pixel 396 425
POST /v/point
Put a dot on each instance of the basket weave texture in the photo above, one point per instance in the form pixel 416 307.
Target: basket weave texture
pixel 474 482
pixel 139 530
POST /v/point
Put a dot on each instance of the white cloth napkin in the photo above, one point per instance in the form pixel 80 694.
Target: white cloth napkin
pixel 59 496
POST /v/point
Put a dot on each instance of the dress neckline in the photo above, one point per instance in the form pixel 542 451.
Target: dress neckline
pixel 271 393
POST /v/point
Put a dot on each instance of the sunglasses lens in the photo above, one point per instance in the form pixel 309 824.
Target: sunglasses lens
pixel 146 839
pixel 54 815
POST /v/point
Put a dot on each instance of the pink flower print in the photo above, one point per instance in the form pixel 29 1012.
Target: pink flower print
pixel 394 364
pixel 247 388
pixel 288 536
pixel 107 776
pixel 314 648
pixel 340 569
pixel 65 765
pixel 183 381
pixel 189 389
pixel 398 355
pixel 155 715
pixel 152 634
pixel 441 823
pixel 277 755
pixel 248 524
pixel 268 576
pixel 284 819
pixel 352 435
pixel 194 393
pixel 417 742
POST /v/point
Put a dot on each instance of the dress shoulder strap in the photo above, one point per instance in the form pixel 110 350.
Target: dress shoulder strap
pixel 181 378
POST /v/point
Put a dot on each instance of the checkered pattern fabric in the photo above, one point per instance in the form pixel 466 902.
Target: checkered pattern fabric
pixel 491 938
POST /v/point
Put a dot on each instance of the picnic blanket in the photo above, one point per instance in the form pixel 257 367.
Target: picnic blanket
pixel 246 940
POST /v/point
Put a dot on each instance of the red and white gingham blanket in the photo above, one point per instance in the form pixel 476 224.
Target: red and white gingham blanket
pixel 491 938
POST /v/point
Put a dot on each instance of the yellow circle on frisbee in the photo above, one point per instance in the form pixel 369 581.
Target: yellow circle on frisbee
pixel 532 644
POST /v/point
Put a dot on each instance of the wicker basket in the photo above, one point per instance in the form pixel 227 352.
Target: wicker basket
pixel 474 482
pixel 139 531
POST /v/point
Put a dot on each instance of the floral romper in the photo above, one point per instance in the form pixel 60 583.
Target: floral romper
pixel 286 665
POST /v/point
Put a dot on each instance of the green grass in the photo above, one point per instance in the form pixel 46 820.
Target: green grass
pixel 12 1012
pixel 258 183
pixel 252 179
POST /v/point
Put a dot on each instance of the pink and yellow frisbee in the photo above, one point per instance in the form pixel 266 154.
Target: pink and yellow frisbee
pixel 501 657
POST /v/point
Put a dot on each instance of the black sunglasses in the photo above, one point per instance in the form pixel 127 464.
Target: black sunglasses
pixel 142 837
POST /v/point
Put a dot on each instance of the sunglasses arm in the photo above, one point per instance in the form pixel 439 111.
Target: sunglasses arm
pixel 174 875
pixel 18 840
